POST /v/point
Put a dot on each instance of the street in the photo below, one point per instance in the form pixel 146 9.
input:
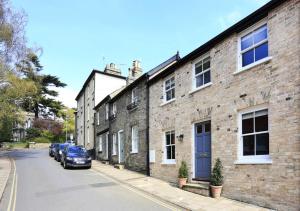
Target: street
pixel 42 184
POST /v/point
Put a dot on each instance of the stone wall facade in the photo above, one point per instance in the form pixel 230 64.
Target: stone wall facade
pixel 124 120
pixel 274 84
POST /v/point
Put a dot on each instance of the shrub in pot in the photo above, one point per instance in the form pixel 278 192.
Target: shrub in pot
pixel 182 174
pixel 216 179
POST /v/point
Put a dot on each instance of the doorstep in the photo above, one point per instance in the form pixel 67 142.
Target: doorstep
pixel 198 188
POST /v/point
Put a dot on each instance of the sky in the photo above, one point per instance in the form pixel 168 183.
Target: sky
pixel 78 36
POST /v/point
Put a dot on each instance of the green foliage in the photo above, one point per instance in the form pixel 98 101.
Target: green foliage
pixel 48 135
pixel 216 178
pixel 183 170
pixel 41 140
pixel 32 133
pixel 18 145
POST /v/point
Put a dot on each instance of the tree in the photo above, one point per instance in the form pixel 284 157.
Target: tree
pixel 69 120
pixel 43 101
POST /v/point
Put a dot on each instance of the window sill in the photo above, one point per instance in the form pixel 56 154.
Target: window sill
pixel 167 102
pixel 253 65
pixel 169 162
pixel 200 88
pixel 253 161
pixel 134 152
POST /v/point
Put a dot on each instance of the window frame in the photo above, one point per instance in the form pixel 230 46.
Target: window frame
pixel 252 159
pixel 165 159
pixel 106 111
pixel 165 91
pixel 244 33
pixel 114 108
pixel 194 75
pixel 134 97
pixel 98 118
pixel 134 140
pixel 114 142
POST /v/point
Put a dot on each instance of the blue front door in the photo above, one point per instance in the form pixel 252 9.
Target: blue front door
pixel 202 151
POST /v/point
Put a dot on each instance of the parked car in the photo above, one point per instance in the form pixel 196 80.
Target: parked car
pixel 51 149
pixel 75 156
pixel 58 151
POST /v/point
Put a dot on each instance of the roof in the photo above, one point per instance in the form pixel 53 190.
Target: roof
pixel 94 71
pixel 254 17
pixel 108 97
pixel 145 76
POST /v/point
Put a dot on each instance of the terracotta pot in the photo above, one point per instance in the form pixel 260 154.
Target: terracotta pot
pixel 216 191
pixel 181 182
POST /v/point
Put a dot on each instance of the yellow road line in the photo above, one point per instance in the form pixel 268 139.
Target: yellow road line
pixel 15 195
pixel 12 187
pixel 157 201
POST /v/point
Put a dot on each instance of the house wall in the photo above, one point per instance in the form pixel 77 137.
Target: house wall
pixel 274 84
pixel 101 129
pixel 124 120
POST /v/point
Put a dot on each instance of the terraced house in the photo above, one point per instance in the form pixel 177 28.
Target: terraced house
pixel 122 121
pixel 236 98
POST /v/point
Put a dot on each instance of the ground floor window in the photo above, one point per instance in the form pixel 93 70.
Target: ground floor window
pixel 114 147
pixel 134 139
pixel 169 147
pixel 254 135
pixel 100 143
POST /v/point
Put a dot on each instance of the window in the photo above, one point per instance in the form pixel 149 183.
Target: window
pixel 88 135
pixel 202 72
pixel 134 139
pixel 100 143
pixel 134 97
pixel 106 111
pixel 114 148
pixel 170 89
pixel 88 112
pixel 106 144
pixel 254 46
pixel 114 109
pixel 170 147
pixel 254 135
pixel 98 118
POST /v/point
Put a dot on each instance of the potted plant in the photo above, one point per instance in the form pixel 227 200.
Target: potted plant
pixel 216 179
pixel 182 174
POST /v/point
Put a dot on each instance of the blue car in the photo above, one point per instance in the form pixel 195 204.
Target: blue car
pixel 75 156
pixel 58 149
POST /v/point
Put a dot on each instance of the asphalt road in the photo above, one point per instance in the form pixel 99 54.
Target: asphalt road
pixel 42 184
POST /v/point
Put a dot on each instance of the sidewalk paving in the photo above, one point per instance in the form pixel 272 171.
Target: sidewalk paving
pixel 166 192
pixel 5 167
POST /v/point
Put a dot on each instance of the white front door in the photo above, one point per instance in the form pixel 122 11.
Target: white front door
pixel 121 146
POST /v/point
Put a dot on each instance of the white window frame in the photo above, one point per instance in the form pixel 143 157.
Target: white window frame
pixel 239 54
pixel 100 143
pixel 88 135
pixel 165 160
pixel 114 108
pixel 98 118
pixel 165 91
pixel 200 59
pixel 114 147
pixel 251 159
pixel 134 139
pixel 134 97
pixel 106 111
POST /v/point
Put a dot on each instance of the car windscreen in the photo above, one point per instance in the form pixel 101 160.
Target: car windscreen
pixel 77 150
pixel 62 146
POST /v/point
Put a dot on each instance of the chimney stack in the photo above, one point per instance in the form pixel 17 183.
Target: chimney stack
pixel 112 69
pixel 134 72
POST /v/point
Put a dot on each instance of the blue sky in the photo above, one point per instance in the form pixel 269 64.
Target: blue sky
pixel 78 36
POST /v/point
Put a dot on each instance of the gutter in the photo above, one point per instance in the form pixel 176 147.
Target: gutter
pixel 147 129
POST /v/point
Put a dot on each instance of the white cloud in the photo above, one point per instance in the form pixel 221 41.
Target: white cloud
pixel 229 19
pixel 67 96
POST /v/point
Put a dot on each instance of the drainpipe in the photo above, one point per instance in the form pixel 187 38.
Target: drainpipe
pixel 147 126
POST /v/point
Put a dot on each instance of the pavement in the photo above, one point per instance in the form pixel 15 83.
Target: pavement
pixel 166 192
pixel 5 168
pixel 40 183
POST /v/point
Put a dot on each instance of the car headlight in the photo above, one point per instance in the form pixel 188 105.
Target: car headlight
pixel 69 158
pixel 60 152
pixel 89 158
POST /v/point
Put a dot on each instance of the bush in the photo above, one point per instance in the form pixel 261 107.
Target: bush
pixel 32 133
pixel 41 140
pixel 183 170
pixel 216 178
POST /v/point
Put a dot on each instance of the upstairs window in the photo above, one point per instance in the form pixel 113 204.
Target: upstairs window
pixel 134 97
pixel 170 89
pixel 98 118
pixel 106 111
pixel 254 46
pixel 134 139
pixel 202 72
pixel 114 108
